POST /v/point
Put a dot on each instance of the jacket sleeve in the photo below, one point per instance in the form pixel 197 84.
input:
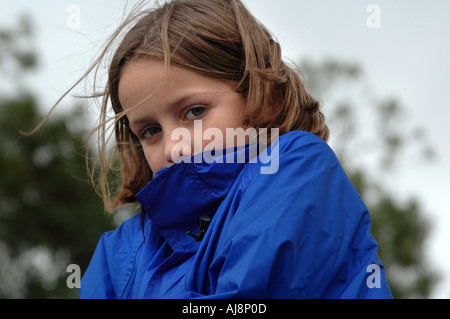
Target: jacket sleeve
pixel 96 282
pixel 302 232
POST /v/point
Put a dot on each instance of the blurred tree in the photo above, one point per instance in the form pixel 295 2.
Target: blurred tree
pixel 368 135
pixel 49 215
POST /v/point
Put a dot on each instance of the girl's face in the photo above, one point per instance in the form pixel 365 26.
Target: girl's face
pixel 184 97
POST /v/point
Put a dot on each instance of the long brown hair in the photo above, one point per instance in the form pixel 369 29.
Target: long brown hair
pixel 216 38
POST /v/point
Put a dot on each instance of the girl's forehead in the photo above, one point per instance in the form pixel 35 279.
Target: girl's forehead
pixel 137 77
pixel 149 80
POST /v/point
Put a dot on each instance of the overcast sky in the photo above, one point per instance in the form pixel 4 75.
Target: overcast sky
pixel 404 54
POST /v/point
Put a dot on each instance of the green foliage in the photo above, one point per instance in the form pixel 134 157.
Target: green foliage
pixel 48 206
pixel 401 231
pixel 16 53
pixel 49 215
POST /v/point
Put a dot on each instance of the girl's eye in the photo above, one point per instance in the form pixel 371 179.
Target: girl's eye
pixel 195 112
pixel 150 131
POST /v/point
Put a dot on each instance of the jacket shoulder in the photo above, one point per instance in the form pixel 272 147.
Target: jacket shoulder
pixel 289 225
pixel 290 152
pixel 127 232
pixel 112 262
pixel 307 143
pixel 122 243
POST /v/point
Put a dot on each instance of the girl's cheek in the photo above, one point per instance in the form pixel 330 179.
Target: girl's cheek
pixel 151 160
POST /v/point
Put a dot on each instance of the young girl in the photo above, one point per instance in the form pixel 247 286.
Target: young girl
pixel 187 77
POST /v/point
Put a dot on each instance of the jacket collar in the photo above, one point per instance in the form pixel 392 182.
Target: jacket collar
pixel 179 195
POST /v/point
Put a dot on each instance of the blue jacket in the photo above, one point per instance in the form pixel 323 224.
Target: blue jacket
pixel 302 232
